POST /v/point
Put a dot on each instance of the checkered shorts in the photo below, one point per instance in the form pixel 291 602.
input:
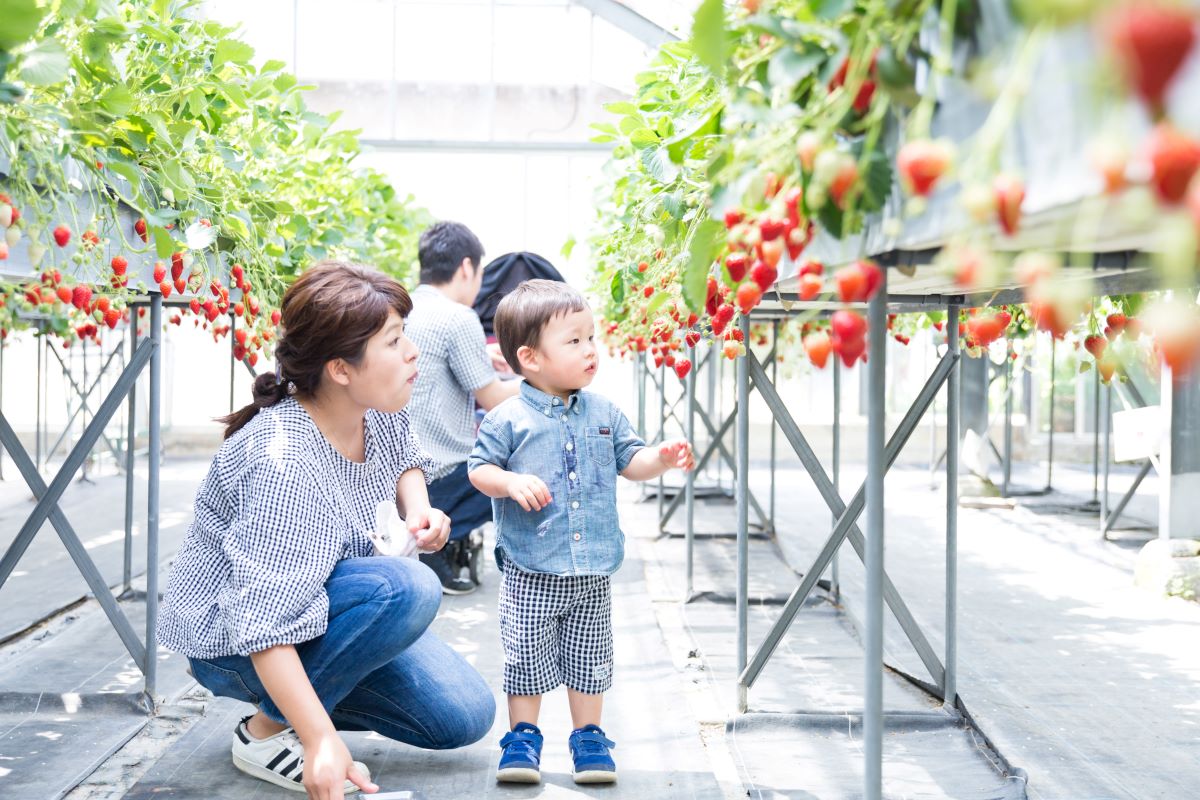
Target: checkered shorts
pixel 556 629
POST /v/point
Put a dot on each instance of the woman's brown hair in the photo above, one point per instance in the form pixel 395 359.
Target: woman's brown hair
pixel 330 312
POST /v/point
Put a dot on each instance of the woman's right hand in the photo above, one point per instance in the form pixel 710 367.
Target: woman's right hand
pixel 327 767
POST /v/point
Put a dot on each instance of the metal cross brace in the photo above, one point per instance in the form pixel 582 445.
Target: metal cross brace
pixel 83 401
pixel 48 497
pixel 1137 401
pixel 847 515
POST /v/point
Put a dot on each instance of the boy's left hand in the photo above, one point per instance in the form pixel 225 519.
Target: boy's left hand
pixel 677 453
pixel 431 528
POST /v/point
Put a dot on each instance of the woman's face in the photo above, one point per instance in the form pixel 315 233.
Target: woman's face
pixel 384 379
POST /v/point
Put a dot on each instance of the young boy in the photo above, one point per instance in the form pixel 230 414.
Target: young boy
pixel 549 458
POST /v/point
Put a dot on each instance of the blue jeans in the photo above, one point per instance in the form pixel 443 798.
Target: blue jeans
pixel 456 497
pixel 377 667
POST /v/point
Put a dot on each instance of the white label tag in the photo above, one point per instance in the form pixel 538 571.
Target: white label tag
pixel 391 536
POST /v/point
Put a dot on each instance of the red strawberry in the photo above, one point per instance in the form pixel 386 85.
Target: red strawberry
pixel 239 309
pixel 771 228
pixel 843 180
pixel 1150 41
pixel 165 288
pixel 692 338
pixel 811 268
pixel 849 331
pixel 1009 194
pixel 852 284
pixel 649 290
pixel 3 249
pixel 160 272
pixel 1095 345
pixel 119 265
pixel 90 239
pixel 682 367
pixel 921 163
pixel 1174 158
pixel 180 285
pixel 176 265
pixel 748 296
pixel 771 252
pixel 810 286
pixel 139 228
pixel 240 335
pixel 984 329
pixel 735 265
pixel 764 275
pixel 862 100
pixel 797 239
pixel 62 235
pixel 65 294
pixel 791 204
pixel 731 350
pixel 112 317
pixel 734 217
pixel 276 316
pixel 194 305
pixel 81 297
pixel 818 345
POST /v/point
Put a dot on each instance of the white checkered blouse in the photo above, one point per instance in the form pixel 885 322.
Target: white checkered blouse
pixel 453 364
pixel 279 508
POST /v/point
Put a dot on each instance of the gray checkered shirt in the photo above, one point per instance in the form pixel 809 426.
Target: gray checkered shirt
pixel 453 364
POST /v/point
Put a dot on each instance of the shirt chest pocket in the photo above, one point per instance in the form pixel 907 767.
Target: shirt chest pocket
pixel 600 445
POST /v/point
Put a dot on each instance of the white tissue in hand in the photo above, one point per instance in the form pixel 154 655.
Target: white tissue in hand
pixel 391 536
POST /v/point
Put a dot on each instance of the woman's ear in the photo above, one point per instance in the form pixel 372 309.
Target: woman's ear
pixel 338 371
pixel 528 359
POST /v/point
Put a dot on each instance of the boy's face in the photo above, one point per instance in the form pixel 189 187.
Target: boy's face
pixel 565 357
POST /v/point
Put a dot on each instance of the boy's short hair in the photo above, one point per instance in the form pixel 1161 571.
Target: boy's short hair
pixel 441 251
pixel 525 311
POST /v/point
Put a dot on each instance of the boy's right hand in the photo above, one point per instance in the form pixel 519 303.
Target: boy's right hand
pixel 530 491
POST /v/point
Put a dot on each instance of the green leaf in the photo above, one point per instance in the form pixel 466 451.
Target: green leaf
pixel 21 19
pixel 617 287
pixel 877 184
pixel 568 247
pixel 706 241
pixel 164 245
pixel 656 303
pixel 658 163
pixel 790 66
pixel 831 9
pixel 643 138
pixel 117 101
pixel 623 108
pixel 709 40
pixel 45 65
pixel 231 50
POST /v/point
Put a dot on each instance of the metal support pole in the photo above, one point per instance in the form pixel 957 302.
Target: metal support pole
pixel 1008 426
pixel 774 427
pixel 662 427
pixel 721 412
pixel 873 706
pixel 1050 438
pixel 949 682
pixel 38 419
pixel 130 456
pixel 1095 437
pixel 1106 421
pixel 232 359
pixel 152 489
pixel 835 580
pixel 2 348
pixel 640 367
pixel 690 485
pixel 741 495
pixel 714 358
pixel 83 352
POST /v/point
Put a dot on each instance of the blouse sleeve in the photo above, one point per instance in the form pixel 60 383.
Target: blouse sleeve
pixel 281 547
pixel 409 453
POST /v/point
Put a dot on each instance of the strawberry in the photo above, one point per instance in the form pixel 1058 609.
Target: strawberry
pixel 771 252
pixel 797 238
pixel 811 268
pixel 160 272
pixel 195 305
pixel 239 309
pixel 3 250
pixel 1150 41
pixel 764 275
pixel 6 214
pixel 1009 193
pixel 1106 366
pixel 103 303
pixel 252 359
pixel 847 324
pixel 119 265
pixel 791 204
pixel 90 239
pixel 1173 158
pixel 810 286
pixel 731 350
pixel 65 295
pixel 748 296
pixel 692 338
pixel 984 329
pixel 176 265
pixel 1117 321
pixel 276 316
pixel 180 285
pixel 818 345
pixel 81 297
pixel 139 228
pixel 852 284
pixel 921 163
pixel 771 228
pixel 165 288
pixel 16 215
pixel 62 235
pixel 237 273
pixel 1095 345
pixel 112 317
pixel 862 100
pixel 649 290
pixel 843 179
pixel 771 186
pixel 734 217
pixel 735 265
pixel 240 335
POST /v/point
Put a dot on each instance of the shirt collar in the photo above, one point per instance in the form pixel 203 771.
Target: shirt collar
pixel 548 403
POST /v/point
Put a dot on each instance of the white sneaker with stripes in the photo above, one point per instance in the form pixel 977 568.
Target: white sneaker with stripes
pixel 278 759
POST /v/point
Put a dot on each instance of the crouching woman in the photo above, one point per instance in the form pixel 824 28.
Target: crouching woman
pixel 275 597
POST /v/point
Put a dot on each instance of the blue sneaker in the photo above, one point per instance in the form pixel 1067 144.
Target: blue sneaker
pixel 521 755
pixel 589 749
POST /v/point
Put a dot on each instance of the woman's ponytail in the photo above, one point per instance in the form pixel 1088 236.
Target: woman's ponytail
pixel 268 390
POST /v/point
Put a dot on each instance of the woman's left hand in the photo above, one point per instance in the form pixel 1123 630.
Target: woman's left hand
pixel 431 528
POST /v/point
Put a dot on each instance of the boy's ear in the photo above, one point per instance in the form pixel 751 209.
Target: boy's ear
pixel 527 358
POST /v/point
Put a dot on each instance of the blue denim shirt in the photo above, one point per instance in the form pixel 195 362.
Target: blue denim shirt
pixel 577 449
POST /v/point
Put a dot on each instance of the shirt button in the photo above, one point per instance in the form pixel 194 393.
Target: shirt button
pixel 563 417
pixel 546 412
pixel 575 504
pixel 578 537
pixel 571 475
pixel 570 446
pixel 554 401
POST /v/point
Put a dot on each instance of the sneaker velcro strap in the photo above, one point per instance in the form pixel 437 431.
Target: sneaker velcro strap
pixel 594 737
pixel 529 737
